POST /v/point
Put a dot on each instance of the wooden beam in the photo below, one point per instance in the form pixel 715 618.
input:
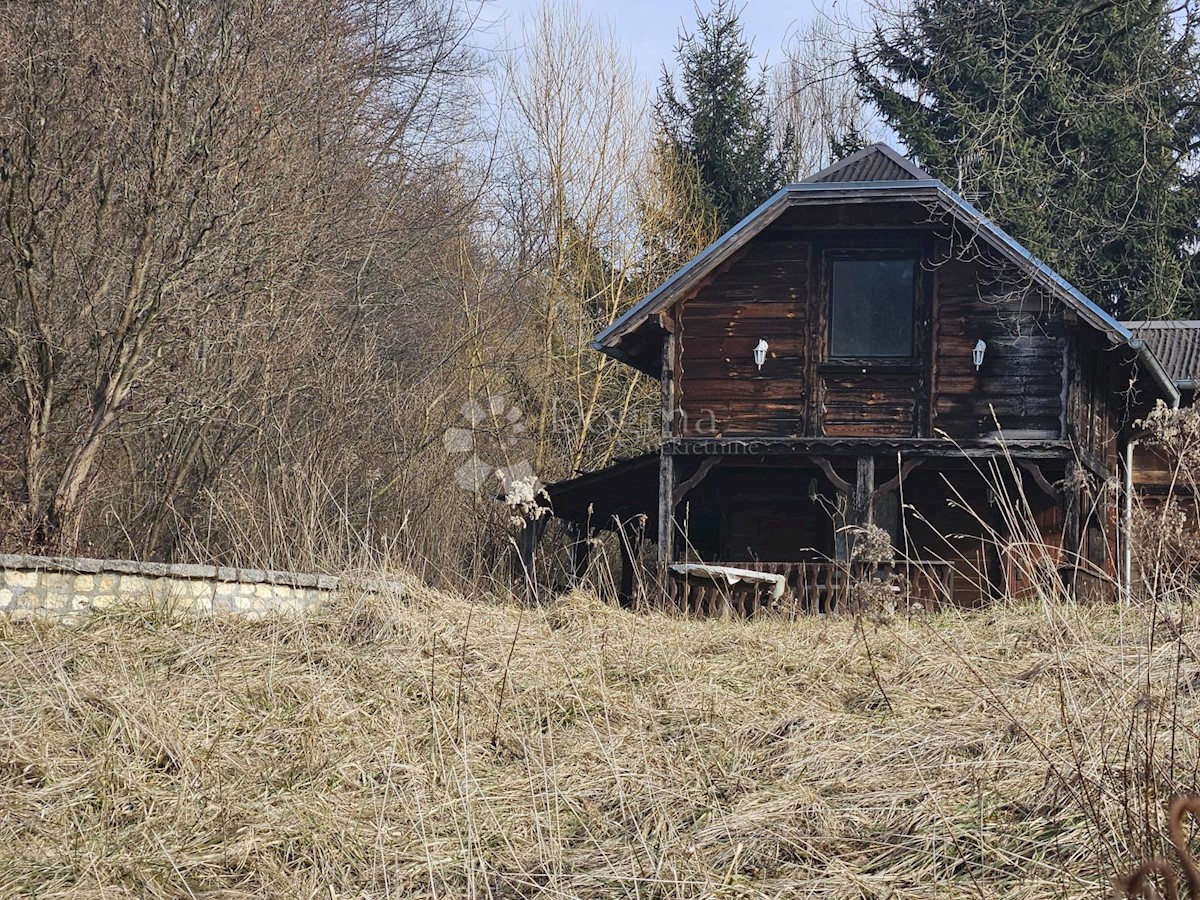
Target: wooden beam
pixel 1094 465
pixel 1071 528
pixel 529 537
pixel 681 490
pixel 666 514
pixel 931 448
pixel 1064 391
pixel 836 480
pixel 892 483
pixel 630 535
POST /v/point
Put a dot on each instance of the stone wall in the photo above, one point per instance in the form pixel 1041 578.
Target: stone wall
pixel 65 587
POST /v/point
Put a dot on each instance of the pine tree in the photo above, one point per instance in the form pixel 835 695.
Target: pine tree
pixel 1074 125
pixel 718 121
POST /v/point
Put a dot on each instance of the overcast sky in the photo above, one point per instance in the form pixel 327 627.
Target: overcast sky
pixel 650 28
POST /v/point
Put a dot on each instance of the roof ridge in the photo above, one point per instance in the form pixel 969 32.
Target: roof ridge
pixel 909 167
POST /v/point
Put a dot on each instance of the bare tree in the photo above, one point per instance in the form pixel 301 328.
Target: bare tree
pixel 577 143
pixel 816 94
pixel 204 206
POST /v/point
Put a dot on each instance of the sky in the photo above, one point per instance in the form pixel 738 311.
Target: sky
pixel 650 28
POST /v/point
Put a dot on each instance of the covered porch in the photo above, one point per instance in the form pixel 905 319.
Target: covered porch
pixel 954 517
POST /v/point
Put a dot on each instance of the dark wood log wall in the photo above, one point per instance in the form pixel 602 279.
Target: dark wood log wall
pixel 1094 409
pixel 719 389
pixel 883 404
pixel 1156 474
pixel 771 516
pixel 775 290
pixel 1095 415
pixel 1020 384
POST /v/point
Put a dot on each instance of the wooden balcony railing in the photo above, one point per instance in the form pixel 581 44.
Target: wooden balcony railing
pixel 812 587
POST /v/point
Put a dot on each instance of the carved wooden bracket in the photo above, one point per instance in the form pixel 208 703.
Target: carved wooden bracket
pixel 1040 480
pixel 682 489
pixel 892 483
pixel 836 480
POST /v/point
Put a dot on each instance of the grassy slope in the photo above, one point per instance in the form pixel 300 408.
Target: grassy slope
pixel 441 749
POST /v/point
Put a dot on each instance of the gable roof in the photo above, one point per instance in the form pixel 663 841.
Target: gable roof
pixel 877 160
pixel 1176 344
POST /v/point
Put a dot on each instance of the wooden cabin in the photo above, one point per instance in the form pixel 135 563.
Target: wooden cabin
pixel 866 347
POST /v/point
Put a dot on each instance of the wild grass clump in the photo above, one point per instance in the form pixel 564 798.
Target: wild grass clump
pixel 423 746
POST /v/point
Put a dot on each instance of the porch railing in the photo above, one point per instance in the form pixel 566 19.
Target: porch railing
pixel 812 587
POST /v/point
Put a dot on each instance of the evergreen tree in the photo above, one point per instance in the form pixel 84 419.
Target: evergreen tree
pixel 847 143
pixel 718 121
pixel 1074 125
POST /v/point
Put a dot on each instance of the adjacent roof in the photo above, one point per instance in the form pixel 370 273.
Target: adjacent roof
pixel 626 488
pixel 1176 343
pixel 904 181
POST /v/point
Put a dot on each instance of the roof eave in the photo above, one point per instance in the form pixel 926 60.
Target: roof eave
pixel 621 356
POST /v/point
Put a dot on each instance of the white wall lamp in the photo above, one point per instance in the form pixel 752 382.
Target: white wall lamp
pixel 977 353
pixel 760 352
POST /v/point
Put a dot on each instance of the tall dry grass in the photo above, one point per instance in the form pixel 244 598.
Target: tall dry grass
pixel 425 746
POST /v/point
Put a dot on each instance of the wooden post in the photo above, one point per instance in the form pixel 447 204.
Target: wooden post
pixel 994 560
pixel 1071 527
pixel 528 545
pixel 864 491
pixel 578 551
pixel 628 561
pixel 666 514
pixel 863 509
pixel 530 535
pixel 666 465
pixel 1126 529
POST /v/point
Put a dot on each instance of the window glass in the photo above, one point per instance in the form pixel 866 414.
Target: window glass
pixel 871 308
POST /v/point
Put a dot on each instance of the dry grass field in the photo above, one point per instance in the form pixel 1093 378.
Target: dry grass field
pixel 431 747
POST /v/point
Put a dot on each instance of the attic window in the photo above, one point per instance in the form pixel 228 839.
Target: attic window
pixel 871 308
